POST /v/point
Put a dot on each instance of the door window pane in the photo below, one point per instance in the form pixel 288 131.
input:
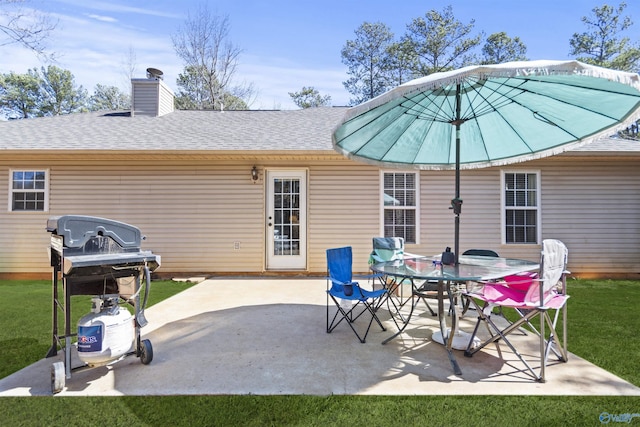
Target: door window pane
pixel 286 217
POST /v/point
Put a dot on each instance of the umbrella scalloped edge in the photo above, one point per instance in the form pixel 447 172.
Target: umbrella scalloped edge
pixel 509 69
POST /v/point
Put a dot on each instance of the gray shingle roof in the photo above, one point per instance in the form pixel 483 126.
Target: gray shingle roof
pixel 184 131
pixel 611 145
pixel 308 129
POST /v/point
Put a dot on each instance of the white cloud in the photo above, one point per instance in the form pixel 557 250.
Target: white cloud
pixel 95 46
pixel 119 8
pixel 102 18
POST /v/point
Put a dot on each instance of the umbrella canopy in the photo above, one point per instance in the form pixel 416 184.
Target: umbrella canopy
pixel 491 115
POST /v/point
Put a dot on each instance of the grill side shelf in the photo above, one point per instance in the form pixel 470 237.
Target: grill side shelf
pixel 103 263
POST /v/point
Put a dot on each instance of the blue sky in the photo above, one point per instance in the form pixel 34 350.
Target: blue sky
pixel 286 44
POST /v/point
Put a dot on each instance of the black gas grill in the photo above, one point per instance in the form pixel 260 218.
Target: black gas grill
pixel 90 246
pixel 101 257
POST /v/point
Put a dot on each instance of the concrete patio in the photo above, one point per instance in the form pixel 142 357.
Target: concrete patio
pixel 267 336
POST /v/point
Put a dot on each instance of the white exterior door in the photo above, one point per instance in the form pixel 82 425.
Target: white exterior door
pixel 286 219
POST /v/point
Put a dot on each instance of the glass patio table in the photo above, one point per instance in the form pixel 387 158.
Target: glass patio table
pixel 424 271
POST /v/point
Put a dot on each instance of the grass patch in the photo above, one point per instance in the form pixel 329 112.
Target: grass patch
pixel 602 329
pixel 250 410
pixel 603 325
pixel 25 316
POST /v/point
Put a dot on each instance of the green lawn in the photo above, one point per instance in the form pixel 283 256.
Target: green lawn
pixel 25 316
pixel 603 329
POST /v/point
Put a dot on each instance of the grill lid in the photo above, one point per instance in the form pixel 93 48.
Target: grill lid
pixel 93 246
pixel 78 230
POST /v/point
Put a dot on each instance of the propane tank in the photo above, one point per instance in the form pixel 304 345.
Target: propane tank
pixel 105 334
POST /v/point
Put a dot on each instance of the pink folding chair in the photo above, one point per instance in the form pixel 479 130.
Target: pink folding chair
pixel 544 296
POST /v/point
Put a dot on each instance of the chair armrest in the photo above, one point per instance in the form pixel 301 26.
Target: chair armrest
pixel 331 279
pixel 473 287
pixel 368 276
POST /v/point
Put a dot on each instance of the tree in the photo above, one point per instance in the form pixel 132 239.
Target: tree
pixel 441 42
pixel 403 60
pixel 203 45
pixel 309 97
pixel 50 91
pixel 369 62
pixel 501 48
pixel 194 95
pixel 108 98
pixel 19 95
pixel 59 93
pixel 192 92
pixel 602 44
pixel 129 64
pixel 28 28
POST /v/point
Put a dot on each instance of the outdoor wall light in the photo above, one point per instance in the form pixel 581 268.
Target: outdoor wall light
pixel 254 174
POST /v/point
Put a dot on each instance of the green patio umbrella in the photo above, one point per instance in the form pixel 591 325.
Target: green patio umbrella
pixel 492 115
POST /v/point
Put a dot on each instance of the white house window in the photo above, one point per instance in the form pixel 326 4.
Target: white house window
pixel 400 205
pixel 521 207
pixel 28 191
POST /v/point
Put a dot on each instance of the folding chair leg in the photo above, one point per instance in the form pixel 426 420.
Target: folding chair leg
pixel 497 334
pixel 346 316
pixel 465 303
pixel 552 342
pixel 424 300
pixel 349 317
pixel 543 348
pixel 560 352
pixel 433 313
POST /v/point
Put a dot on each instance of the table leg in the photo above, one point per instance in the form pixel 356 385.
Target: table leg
pixel 393 299
pixel 443 323
pixel 415 298
pixel 405 322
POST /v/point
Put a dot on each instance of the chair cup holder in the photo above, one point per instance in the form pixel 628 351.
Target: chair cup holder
pixel 348 290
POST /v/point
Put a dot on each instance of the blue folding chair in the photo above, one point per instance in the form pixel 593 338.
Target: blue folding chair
pixel 341 288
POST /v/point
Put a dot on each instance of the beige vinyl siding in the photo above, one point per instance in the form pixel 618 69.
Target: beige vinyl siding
pixel 344 203
pixel 21 250
pixel 479 220
pixel 193 210
pixel 191 214
pixel 594 206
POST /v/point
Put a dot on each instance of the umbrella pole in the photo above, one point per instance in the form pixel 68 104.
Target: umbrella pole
pixel 456 203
